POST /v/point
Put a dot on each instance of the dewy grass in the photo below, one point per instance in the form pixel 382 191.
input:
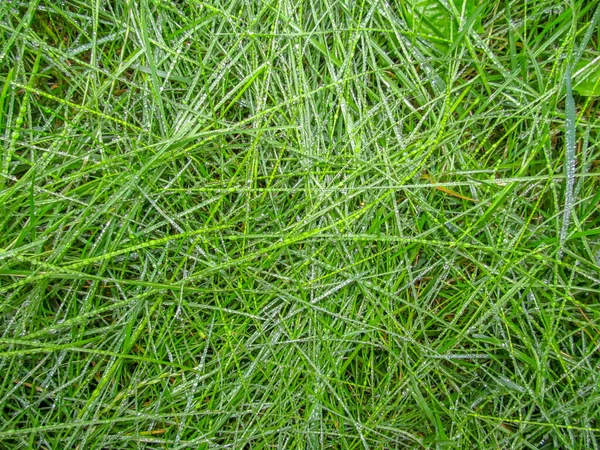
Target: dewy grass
pixel 281 224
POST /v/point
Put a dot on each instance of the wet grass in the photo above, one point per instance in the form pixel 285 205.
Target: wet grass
pixel 277 224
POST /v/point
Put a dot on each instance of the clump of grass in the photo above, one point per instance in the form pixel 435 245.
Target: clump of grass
pixel 281 224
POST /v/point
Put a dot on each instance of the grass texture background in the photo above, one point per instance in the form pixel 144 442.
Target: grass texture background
pixel 281 224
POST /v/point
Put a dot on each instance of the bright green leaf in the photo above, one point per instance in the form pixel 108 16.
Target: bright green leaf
pixel 431 20
pixel 587 84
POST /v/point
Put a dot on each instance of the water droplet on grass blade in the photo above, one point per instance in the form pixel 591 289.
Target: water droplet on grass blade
pixel 570 161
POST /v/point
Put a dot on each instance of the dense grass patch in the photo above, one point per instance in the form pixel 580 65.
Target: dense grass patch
pixel 281 224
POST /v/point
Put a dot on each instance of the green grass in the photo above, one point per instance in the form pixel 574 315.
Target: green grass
pixel 280 224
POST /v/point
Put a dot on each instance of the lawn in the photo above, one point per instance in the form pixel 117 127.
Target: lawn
pixel 340 224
